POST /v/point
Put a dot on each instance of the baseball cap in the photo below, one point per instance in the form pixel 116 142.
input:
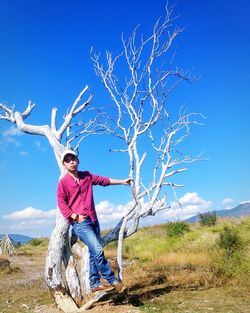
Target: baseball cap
pixel 68 151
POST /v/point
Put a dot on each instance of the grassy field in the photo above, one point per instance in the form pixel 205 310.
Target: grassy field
pixel 22 286
pixel 173 267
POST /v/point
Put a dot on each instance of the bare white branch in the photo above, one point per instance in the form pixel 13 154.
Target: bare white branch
pixel 53 120
pixel 7 113
pixel 76 108
pixel 143 119
pixel 28 110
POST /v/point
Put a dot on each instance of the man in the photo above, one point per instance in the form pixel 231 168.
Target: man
pixel 76 202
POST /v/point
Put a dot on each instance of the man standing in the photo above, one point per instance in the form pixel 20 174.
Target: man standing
pixel 76 202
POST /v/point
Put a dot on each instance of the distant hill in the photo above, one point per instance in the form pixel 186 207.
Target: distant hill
pixel 18 238
pixel 242 209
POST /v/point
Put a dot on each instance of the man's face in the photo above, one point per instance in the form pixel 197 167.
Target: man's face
pixel 70 162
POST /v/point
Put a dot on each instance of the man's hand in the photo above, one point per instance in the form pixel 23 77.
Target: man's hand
pixel 81 218
pixel 78 218
pixel 74 216
pixel 128 181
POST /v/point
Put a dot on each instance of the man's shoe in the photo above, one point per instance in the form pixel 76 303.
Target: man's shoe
pixel 102 287
pixel 119 287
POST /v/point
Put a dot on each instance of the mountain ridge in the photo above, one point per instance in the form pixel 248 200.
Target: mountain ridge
pixel 18 238
pixel 243 209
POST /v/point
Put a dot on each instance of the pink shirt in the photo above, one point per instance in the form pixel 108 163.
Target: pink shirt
pixel 78 198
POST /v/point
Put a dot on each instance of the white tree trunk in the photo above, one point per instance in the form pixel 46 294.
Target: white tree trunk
pixel 66 294
pixel 83 254
pixel 57 245
pixel 59 251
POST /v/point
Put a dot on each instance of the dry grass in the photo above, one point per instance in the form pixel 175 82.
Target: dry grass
pixel 225 299
pixel 191 261
pixel 23 290
pixel 182 259
pixel 162 274
pixel 179 276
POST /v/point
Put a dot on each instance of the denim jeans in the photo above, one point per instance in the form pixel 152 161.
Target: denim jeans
pixel 89 233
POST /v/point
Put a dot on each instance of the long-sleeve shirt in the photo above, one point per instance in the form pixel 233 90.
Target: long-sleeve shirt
pixel 77 197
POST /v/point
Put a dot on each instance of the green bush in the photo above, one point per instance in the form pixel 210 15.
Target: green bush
pixel 177 229
pixel 36 242
pixel 230 241
pixel 231 257
pixel 208 219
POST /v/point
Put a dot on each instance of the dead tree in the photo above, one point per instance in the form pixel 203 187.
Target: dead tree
pixel 7 246
pixel 146 121
pixel 69 132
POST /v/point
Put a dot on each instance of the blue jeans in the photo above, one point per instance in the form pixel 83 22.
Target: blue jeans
pixel 89 233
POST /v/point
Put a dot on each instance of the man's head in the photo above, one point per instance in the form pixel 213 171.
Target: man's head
pixel 68 155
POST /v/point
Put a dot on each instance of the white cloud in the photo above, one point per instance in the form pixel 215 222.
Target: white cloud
pixel 39 146
pixel 108 212
pixel 192 198
pixel 12 131
pixel 227 201
pixel 23 153
pixel 245 202
pixel 7 138
pixel 29 213
pixel 31 221
pixel 4 228
pixel 192 204
pixel 29 225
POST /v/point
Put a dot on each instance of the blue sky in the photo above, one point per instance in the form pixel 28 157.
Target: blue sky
pixel 45 58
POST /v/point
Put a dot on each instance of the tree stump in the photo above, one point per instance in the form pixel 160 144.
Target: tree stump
pixel 5 265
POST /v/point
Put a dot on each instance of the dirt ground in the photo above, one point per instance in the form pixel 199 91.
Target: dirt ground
pixel 102 308
pixel 24 290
